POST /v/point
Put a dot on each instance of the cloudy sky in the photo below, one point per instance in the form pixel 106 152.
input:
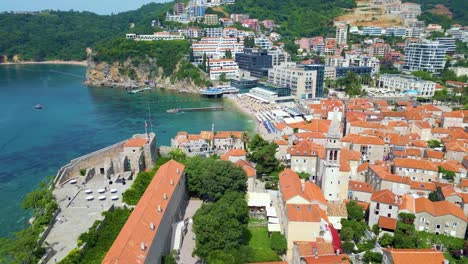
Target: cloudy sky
pixel 97 6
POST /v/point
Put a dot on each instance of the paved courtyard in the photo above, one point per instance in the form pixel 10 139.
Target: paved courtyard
pixel 79 211
pixel 188 243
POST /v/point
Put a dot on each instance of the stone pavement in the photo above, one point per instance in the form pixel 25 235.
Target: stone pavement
pixel 188 243
pixel 78 214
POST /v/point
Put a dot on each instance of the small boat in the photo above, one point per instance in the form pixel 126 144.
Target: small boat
pixel 38 106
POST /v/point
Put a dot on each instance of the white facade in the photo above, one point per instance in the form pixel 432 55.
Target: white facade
pixel 156 36
pixel 341 33
pixel 303 83
pixel 425 56
pixel 215 48
pixel 404 83
pixel 263 43
pixel 227 66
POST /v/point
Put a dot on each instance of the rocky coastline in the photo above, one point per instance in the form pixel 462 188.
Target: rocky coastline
pixel 131 75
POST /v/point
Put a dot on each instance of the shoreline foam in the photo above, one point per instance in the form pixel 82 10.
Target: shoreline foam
pixel 58 62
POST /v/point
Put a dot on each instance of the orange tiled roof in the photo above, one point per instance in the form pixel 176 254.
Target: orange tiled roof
pixel 281 142
pixel 331 259
pixel 384 196
pixel 419 143
pixel 305 213
pixel 228 134
pixel 346 156
pixel 309 135
pixel 426 186
pixel 359 186
pixel 387 223
pixel 435 154
pixel 280 125
pixel 456 114
pixel 291 186
pixel 464 183
pixel 307 148
pixel 305 248
pixel 415 164
pixel 126 247
pixel 362 140
pixel 439 208
pixel 415 256
pixel 135 142
pixel 362 167
pixel 423 124
pixel 247 167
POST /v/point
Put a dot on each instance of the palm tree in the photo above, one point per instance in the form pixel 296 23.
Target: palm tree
pixel 245 139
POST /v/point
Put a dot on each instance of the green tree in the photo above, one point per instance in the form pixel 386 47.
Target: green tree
pixel 405 236
pixel 265 159
pixel 434 143
pixel 376 229
pixel 178 155
pixel 347 234
pixel 436 195
pixel 372 257
pixel 245 139
pixel 347 247
pixel 222 77
pixel 386 240
pixel 278 243
pixel 221 225
pixel 352 84
pixel 406 218
pixel 210 179
pixel 354 211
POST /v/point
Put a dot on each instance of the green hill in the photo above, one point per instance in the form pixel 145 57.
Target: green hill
pixel 459 9
pixel 50 35
pixel 296 17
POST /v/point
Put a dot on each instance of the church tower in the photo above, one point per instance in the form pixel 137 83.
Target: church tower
pixel 331 182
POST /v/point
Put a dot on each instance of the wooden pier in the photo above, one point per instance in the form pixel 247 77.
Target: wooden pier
pixel 195 109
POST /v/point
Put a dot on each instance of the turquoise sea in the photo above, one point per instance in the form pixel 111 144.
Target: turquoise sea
pixel 77 120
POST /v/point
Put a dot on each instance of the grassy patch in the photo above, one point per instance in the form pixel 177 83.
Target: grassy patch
pixel 260 244
pixel 143 179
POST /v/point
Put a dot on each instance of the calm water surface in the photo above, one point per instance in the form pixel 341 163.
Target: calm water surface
pixel 76 120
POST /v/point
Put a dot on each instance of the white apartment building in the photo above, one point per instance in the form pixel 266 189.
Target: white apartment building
pixel 278 56
pixel 164 35
pixel 407 82
pixel 341 33
pixel 215 48
pixel 214 32
pixel 263 43
pixel 227 66
pixel 303 83
pixel 425 56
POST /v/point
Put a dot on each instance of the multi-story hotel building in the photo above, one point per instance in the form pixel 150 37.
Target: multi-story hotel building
pixel 425 57
pixel 407 82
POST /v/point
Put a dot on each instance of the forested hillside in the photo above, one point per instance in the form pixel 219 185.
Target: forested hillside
pixel 296 17
pixel 62 35
pixel 458 8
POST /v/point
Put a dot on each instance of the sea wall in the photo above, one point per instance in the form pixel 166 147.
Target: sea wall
pixel 87 162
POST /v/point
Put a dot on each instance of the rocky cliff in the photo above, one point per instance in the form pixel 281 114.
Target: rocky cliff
pixel 137 73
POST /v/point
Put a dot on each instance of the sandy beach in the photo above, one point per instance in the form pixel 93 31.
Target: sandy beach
pixel 80 63
pixel 248 106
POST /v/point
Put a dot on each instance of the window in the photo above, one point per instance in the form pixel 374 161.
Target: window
pixel 455 224
pixel 437 226
pixel 389 215
pixel 389 207
pixel 422 220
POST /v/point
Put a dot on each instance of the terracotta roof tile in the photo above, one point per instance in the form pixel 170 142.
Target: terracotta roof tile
pixel 305 213
pixel 281 142
pixel 359 186
pixel 415 164
pixel 247 167
pixel 126 247
pixel 346 156
pixel 439 208
pixel 426 186
pixel 332 259
pixel 384 196
pixel 416 256
pixel 307 148
pixel 362 140
pixel 228 134
pixel 363 167
pixel 435 154
pixel 387 223
pixel 135 143
pixel 291 186
pixel 423 124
